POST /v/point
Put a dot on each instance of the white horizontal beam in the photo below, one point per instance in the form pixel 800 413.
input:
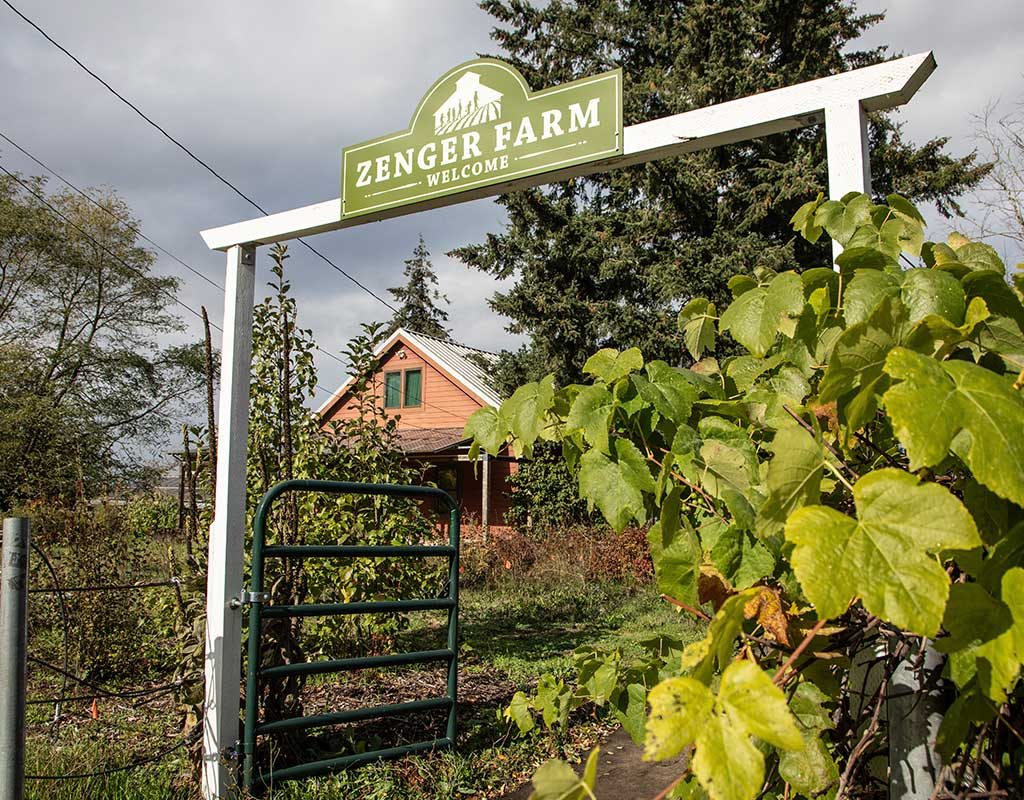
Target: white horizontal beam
pixel 875 88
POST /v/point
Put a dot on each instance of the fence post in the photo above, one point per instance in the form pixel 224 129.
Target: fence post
pixel 13 644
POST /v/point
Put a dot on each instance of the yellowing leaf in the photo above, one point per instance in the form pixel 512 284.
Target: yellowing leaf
pixel 886 556
pixel 726 762
pixel 679 710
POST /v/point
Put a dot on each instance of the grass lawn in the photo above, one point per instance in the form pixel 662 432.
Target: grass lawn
pixel 512 631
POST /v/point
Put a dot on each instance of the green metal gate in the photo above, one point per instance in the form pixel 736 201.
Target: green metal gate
pixel 259 610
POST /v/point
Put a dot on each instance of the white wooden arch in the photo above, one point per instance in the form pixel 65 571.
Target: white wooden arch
pixel 840 101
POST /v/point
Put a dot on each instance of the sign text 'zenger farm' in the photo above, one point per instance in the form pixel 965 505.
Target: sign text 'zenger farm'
pixel 479 125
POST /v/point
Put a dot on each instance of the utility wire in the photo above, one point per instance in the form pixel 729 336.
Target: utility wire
pixel 42 199
pixel 129 225
pixel 106 210
pixel 174 298
pixel 189 152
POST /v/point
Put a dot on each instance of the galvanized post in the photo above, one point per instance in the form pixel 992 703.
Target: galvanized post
pixel 13 647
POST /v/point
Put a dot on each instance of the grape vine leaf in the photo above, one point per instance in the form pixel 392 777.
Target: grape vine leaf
pixel 726 761
pixel 616 484
pixel 938 407
pixel 886 556
pixel 697 322
pixel 556 780
pixel 756 316
pixel 794 478
pixel 675 551
pixel 700 657
pixel 609 365
pixel 518 711
pixel 986 635
pixel 525 412
pixel 811 770
pixel 591 412
pixel 487 429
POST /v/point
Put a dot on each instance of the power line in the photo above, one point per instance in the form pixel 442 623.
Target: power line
pixel 189 152
pixel 126 223
pixel 135 230
pixel 103 208
pixel 42 199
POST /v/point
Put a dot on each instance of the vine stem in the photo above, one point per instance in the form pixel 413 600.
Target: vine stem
pixel 839 475
pixel 835 453
pixel 689 609
pixel 780 675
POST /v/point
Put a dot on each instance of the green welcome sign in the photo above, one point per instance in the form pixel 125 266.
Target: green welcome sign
pixel 480 124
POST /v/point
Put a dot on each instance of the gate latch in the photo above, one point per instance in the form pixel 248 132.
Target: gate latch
pixel 245 597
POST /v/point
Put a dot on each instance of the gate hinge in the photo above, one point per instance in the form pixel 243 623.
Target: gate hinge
pixel 245 597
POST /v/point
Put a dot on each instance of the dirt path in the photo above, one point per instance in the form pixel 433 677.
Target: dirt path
pixel 623 774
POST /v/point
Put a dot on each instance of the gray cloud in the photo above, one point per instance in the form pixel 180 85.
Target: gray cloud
pixel 270 92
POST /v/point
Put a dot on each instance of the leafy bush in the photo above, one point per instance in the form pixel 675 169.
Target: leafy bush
pixel 544 493
pixel 851 483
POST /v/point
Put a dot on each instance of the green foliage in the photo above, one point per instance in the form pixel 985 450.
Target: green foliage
pixel 85 386
pixel 608 260
pixel 857 468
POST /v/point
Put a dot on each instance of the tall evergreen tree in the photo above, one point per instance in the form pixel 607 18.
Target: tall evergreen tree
pixel 609 260
pixel 419 298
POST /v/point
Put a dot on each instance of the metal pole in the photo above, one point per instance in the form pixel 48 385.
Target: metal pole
pixel 13 662
pixel 227 535
pixel 915 705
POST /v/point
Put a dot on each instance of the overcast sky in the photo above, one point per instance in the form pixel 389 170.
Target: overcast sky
pixel 270 92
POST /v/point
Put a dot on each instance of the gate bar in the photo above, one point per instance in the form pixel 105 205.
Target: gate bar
pixel 251 775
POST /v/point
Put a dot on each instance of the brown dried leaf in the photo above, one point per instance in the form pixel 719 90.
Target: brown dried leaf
pixel 713 587
pixel 766 606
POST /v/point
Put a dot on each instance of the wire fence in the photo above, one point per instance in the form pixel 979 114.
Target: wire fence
pixel 138 698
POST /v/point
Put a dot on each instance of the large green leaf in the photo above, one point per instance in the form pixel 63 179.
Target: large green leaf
pixel 986 635
pixel 556 780
pixel 591 412
pixel 676 553
pixel 671 391
pixel 794 478
pixel 755 317
pixel 866 289
pixel 526 411
pixel 616 485
pixel 930 291
pixel 726 762
pixel 886 556
pixel 811 770
pixel 841 218
pixel 855 377
pixel 741 559
pixel 488 429
pixel 609 365
pixel 955 406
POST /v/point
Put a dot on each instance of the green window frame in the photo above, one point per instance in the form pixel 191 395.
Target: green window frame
pixel 413 388
pixel 392 389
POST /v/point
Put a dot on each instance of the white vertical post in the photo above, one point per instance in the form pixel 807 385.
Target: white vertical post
pixel 846 143
pixel 227 533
